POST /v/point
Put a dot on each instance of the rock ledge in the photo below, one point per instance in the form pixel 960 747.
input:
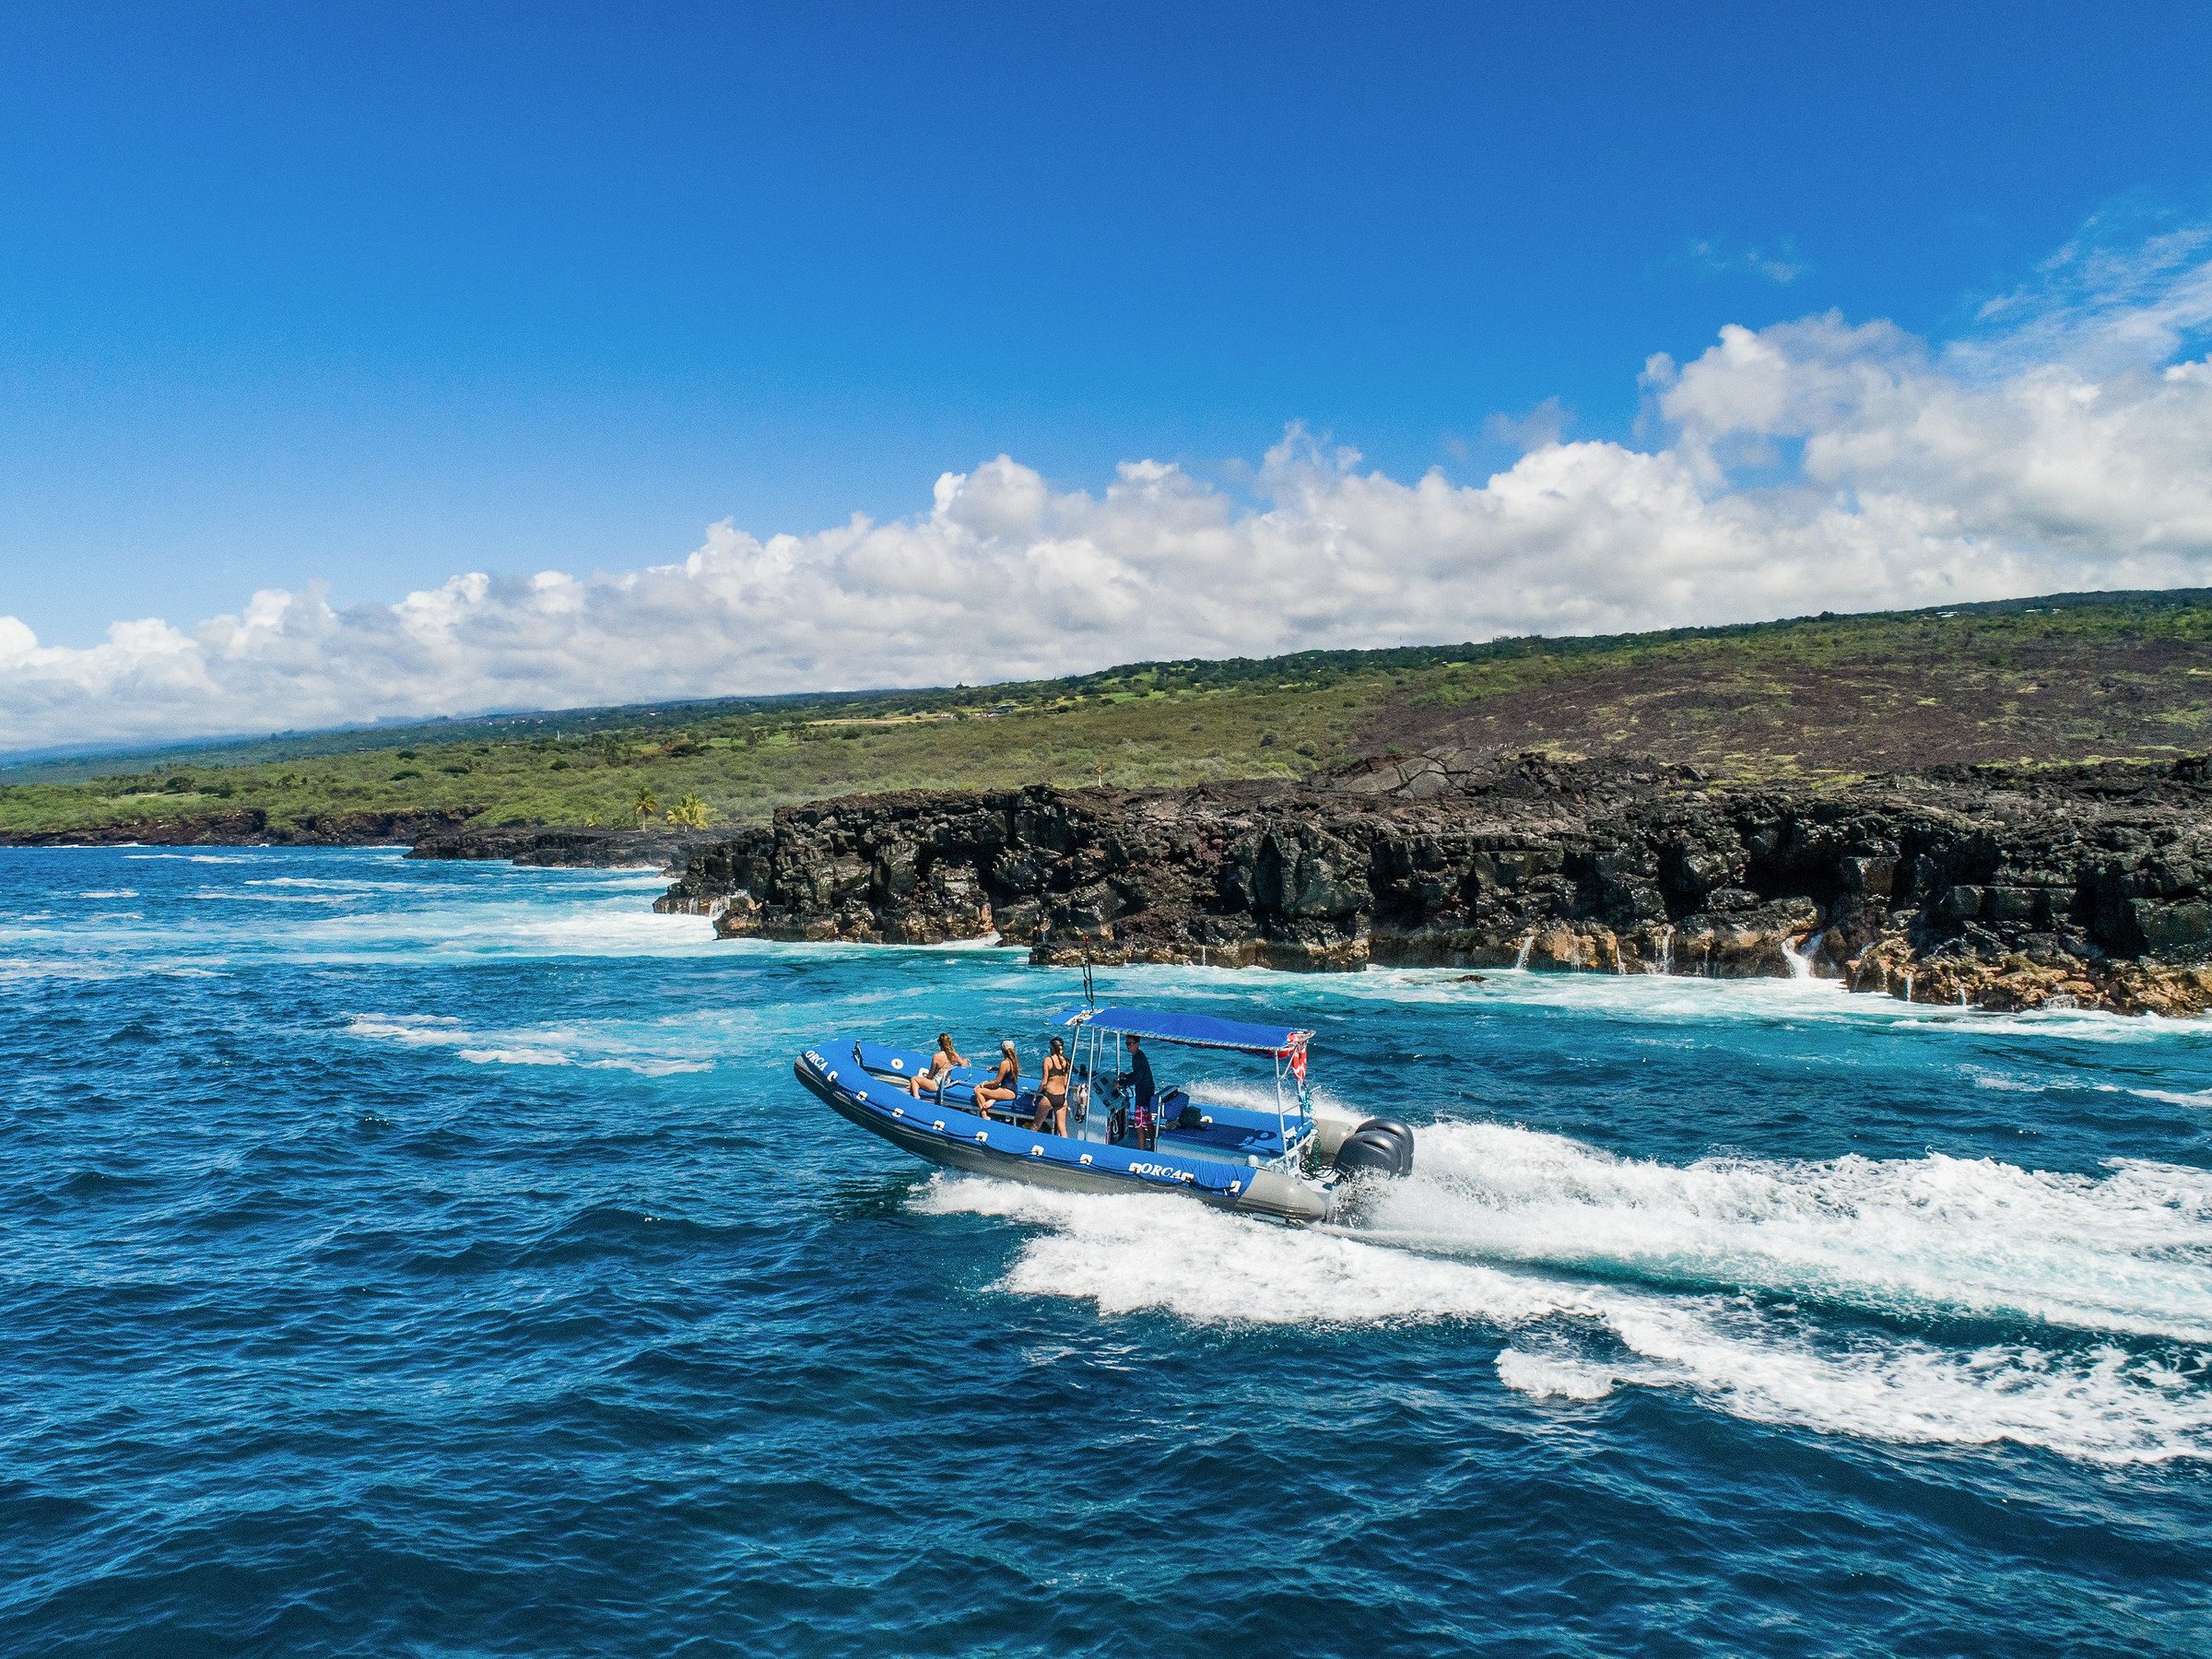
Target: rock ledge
pixel 1994 887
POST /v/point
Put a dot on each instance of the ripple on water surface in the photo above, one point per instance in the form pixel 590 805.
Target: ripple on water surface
pixel 418 1257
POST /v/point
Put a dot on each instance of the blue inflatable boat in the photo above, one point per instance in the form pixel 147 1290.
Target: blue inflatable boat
pixel 1286 1163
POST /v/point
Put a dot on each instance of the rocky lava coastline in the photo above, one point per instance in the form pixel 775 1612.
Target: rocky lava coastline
pixel 248 827
pixel 1995 887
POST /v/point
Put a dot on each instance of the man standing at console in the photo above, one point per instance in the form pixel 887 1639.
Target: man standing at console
pixel 1139 1078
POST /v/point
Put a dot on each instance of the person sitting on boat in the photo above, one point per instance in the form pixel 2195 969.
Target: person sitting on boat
pixel 1052 1091
pixel 1005 1082
pixel 1143 1103
pixel 940 1067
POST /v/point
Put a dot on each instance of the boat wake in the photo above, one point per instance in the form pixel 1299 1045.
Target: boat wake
pixel 1936 1300
pixel 2128 1252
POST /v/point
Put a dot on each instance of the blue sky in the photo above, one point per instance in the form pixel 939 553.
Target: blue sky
pixel 371 296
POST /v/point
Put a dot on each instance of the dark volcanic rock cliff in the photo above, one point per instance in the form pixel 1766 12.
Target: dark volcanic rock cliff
pixel 249 826
pixel 2089 886
pixel 568 847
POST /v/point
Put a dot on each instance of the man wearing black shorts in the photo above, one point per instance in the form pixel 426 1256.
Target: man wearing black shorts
pixel 1144 1103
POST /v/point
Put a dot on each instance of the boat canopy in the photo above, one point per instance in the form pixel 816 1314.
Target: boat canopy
pixel 1199 1030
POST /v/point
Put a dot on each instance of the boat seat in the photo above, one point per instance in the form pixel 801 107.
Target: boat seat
pixel 962 1096
pixel 1023 1106
pixel 1232 1132
pixel 883 1060
pixel 1220 1141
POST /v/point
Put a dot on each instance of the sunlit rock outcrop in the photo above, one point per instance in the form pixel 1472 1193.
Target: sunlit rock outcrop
pixel 1997 887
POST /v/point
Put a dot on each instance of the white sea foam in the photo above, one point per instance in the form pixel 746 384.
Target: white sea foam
pixel 2010 1083
pixel 513 1056
pixel 92 971
pixel 237 897
pixel 1145 1252
pixel 642 1066
pixel 14 969
pixel 421 1029
pixel 1577 1338
pixel 2170 1097
pixel 2004 1083
pixel 2127 1252
pixel 1684 999
pixel 559 1046
pixel 2105 1405
pixel 605 928
pixel 322 883
pixel 646 1067
pixel 108 893
pixel 1548 1375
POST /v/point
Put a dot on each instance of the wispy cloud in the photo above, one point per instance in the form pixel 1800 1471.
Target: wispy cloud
pixel 1814 465
pixel 1778 262
pixel 2127 291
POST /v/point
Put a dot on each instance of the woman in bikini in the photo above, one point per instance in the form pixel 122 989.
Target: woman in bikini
pixel 1052 1091
pixel 1006 1083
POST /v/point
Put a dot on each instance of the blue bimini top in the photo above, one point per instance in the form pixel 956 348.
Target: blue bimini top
pixel 1199 1030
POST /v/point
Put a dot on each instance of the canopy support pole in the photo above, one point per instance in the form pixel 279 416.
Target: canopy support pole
pixel 1282 1129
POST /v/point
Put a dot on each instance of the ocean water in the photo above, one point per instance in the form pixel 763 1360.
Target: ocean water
pixel 439 1259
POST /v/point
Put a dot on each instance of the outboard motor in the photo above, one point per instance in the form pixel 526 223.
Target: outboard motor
pixel 1379 1147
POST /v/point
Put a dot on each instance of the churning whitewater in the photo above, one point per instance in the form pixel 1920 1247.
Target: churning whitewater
pixel 467 1219
pixel 1932 1239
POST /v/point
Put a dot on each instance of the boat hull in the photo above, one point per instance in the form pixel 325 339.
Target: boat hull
pixel 959 1140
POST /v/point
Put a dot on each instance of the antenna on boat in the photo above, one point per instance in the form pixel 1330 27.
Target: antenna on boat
pixel 1090 994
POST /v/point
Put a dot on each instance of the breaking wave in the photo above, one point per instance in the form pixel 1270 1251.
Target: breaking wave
pixel 1685 999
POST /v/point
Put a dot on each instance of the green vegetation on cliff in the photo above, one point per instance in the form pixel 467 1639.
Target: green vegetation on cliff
pixel 2072 677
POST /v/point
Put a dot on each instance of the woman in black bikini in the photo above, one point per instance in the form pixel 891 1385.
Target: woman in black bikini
pixel 1052 1091
pixel 1004 1083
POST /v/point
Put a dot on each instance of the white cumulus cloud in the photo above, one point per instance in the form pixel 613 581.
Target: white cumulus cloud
pixel 1814 465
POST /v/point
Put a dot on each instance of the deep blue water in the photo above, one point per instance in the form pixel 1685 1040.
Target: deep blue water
pixel 419 1258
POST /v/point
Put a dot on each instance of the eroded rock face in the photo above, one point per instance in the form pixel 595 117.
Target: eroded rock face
pixel 555 846
pixel 2014 889
pixel 249 826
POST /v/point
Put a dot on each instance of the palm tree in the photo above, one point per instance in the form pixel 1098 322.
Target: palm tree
pixel 645 806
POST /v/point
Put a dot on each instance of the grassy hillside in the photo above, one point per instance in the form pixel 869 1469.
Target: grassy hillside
pixel 2069 677
pixel 739 765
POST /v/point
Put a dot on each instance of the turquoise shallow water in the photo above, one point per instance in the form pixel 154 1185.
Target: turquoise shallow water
pixel 428 1258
